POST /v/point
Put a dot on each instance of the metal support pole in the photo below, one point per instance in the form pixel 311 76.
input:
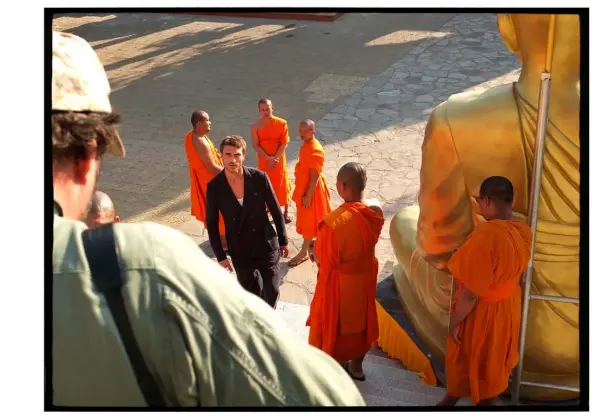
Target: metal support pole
pixel 542 123
pixel 538 162
pixel 555 298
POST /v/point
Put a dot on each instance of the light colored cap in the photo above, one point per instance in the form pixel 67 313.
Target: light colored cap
pixel 79 82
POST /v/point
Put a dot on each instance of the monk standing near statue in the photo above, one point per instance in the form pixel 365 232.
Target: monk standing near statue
pixel 342 315
pixel 311 193
pixel 270 139
pixel 204 162
pixel 482 347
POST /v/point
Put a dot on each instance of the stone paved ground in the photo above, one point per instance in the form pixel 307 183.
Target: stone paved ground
pixel 376 119
pixel 164 66
pixel 382 124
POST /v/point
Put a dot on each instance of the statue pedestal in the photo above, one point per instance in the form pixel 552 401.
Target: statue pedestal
pixel 399 340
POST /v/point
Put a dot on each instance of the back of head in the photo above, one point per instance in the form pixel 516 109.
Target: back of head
pixel 101 211
pixel 498 189
pixel 354 176
pixel 102 203
pixel 82 117
pixel 83 124
pixel 526 35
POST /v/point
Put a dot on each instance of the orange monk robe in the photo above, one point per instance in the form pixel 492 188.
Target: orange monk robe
pixel 342 315
pixel 490 264
pixel 310 156
pixel 270 138
pixel 199 178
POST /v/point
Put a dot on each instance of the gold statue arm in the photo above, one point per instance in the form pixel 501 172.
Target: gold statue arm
pixel 447 211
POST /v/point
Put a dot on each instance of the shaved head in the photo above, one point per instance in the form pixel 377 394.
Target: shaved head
pixel 198 116
pixel 496 198
pixel 102 203
pixel 309 123
pixel 307 129
pixel 498 189
pixel 353 176
pixel 264 101
pixel 102 210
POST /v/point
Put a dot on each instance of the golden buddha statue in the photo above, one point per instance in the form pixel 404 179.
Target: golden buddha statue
pixel 475 135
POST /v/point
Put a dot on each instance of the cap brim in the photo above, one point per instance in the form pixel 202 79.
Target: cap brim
pixel 116 147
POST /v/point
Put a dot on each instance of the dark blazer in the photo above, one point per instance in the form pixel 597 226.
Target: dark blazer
pixel 249 233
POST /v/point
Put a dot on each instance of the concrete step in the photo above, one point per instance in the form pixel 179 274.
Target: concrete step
pixel 399 386
pixel 371 400
pixel 295 316
pixel 388 382
pixel 379 357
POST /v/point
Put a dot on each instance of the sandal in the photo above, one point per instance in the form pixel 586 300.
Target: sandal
pixel 287 218
pixel 346 367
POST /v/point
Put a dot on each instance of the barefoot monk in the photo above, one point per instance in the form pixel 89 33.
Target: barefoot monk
pixel 342 315
pixel 311 193
pixel 270 139
pixel 482 347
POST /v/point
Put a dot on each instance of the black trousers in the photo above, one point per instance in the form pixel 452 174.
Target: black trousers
pixel 268 268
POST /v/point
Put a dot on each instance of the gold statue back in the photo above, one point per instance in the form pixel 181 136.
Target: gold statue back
pixel 482 134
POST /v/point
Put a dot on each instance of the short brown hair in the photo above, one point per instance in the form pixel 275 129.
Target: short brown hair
pixel 74 134
pixel 234 141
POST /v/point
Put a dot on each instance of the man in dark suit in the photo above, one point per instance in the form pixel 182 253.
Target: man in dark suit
pixel 243 194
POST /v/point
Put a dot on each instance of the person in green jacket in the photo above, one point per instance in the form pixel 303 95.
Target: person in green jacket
pixel 205 341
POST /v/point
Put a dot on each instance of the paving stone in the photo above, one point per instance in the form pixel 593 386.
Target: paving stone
pixel 424 98
pixel 458 76
pixel 332 116
pixel 365 113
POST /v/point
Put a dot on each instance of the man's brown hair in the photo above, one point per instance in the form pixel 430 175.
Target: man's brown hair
pixel 75 135
pixel 234 141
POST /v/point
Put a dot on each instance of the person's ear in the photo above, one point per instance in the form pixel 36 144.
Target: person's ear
pixel 117 219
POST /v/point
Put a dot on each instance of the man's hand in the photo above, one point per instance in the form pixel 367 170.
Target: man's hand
pixel 454 332
pixel 306 201
pixel 271 162
pixel 274 161
pixel 284 251
pixel 226 265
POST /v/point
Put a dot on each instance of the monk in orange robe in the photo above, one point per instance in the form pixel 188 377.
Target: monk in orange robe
pixel 342 315
pixel 204 162
pixel 482 345
pixel 311 193
pixel 270 139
